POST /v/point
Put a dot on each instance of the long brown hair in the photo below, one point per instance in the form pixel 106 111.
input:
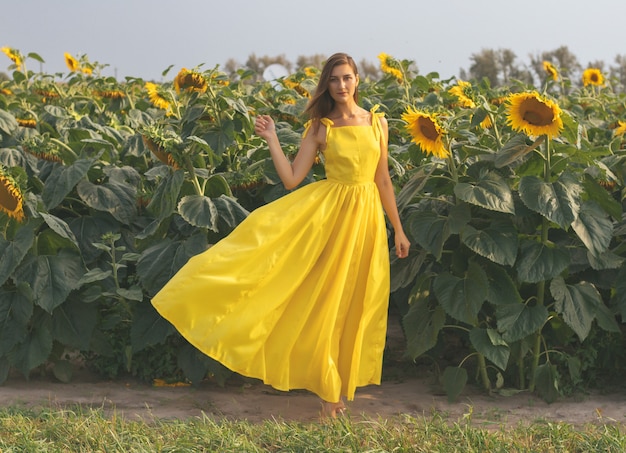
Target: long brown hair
pixel 321 103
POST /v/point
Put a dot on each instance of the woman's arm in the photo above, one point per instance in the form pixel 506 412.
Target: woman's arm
pixel 290 173
pixel 388 197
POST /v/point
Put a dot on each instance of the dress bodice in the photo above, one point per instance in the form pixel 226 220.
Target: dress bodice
pixel 352 152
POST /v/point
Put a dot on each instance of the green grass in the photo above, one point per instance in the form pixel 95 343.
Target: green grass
pixel 89 430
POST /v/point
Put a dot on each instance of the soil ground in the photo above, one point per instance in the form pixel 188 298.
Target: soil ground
pixel 412 393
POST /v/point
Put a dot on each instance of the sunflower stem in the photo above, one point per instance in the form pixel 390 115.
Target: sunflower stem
pixel 541 286
pixel 194 177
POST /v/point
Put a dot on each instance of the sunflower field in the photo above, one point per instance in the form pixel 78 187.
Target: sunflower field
pixel 512 198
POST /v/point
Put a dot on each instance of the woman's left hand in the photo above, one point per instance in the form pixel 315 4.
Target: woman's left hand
pixel 402 244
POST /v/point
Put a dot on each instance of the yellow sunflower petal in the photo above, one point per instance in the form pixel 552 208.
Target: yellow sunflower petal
pixel 11 199
pixel 593 76
pixel 532 114
pixel 426 132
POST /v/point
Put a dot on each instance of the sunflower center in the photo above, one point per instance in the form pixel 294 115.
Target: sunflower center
pixel 537 113
pixel 428 129
pixel 7 199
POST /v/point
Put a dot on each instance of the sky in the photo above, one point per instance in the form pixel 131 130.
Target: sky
pixel 142 38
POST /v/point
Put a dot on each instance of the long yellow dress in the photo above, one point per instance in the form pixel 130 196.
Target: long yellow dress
pixel 297 294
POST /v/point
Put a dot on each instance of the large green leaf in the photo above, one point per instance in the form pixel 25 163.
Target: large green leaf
pixel 114 197
pixel 217 185
pixel 454 380
pixel 51 278
pixel 547 382
pixel 165 197
pixel 618 300
pixel 594 228
pixel 577 304
pixel 8 123
pixel 230 213
pixel 517 321
pixel 490 192
pixel 502 289
pixel 73 324
pixel 603 197
pixel 459 216
pixel 413 186
pixel 89 229
pixel 498 242
pixel 513 150
pixel 62 180
pixel 161 261
pixel 537 262
pixel 33 351
pixel 59 227
pixel 13 252
pixel 404 270
pixel 149 327
pixel 558 201
pixel 462 298
pixel 430 230
pixel 199 211
pixel 193 363
pixel 422 323
pixel 489 343
pixel 16 309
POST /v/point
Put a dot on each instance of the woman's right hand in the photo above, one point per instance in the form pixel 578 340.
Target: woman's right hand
pixel 264 126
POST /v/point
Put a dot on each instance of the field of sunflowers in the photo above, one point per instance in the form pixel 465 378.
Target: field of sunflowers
pixel 512 197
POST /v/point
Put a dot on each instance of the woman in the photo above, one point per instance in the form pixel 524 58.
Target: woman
pixel 297 294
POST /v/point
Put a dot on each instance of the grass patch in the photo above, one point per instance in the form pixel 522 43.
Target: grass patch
pixel 90 430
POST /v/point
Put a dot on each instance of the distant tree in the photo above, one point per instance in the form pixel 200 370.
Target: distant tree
pixel 618 72
pixel 484 65
pixel 316 61
pixel 563 60
pixel 3 76
pixel 499 66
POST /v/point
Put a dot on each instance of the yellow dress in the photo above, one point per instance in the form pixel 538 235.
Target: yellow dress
pixel 297 294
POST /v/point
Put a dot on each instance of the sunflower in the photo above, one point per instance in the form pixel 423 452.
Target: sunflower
pixel 11 199
pixel 530 113
pixel 156 98
pixel 110 94
pixel 460 90
pixel 426 132
pixel 14 55
pixel 71 62
pixel 551 70
pixel 27 122
pixel 161 154
pixel 190 81
pixel 391 66
pixel 310 71
pixel 620 129
pixel 593 76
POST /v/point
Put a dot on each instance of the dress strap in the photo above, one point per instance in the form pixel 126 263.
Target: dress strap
pixel 325 121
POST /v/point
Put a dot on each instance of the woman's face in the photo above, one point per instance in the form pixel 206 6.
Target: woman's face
pixel 342 84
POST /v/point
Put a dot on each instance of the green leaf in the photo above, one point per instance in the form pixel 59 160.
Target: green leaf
pixel 490 192
pixel 462 298
pixel 89 229
pixel 577 304
pixel 8 123
pixel 230 213
pixel 199 211
pixel 537 262
pixel 63 370
pixel 59 227
pixel 73 323
pixel 517 321
pixel 217 185
pixel 422 323
pixel 404 270
pixel 414 185
pixel 13 252
pixel 559 201
pixel 161 261
pixel 51 278
pixel 489 343
pixel 165 198
pixel 513 150
pixel 502 289
pixel 454 380
pixel 430 230
pixel 594 228
pixel 498 242
pixel 62 180
pixel 16 309
pixel 94 275
pixel 149 327
pixel 459 215
pixel 547 382
pixel 33 351
pixel 193 363
pixel 133 293
pixel 606 260
pixel 602 196
pixel 116 198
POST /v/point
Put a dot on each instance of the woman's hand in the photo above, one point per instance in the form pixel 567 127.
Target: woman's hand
pixel 264 126
pixel 402 244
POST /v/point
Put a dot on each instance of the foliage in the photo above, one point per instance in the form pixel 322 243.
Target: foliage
pixel 518 240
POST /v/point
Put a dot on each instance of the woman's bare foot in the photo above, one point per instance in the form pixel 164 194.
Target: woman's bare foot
pixel 332 410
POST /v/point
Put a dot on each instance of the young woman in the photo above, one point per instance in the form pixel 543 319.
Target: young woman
pixel 297 295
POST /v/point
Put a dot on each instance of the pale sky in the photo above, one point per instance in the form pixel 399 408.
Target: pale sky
pixel 141 38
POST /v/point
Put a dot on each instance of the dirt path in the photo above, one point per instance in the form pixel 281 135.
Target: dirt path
pixel 253 401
